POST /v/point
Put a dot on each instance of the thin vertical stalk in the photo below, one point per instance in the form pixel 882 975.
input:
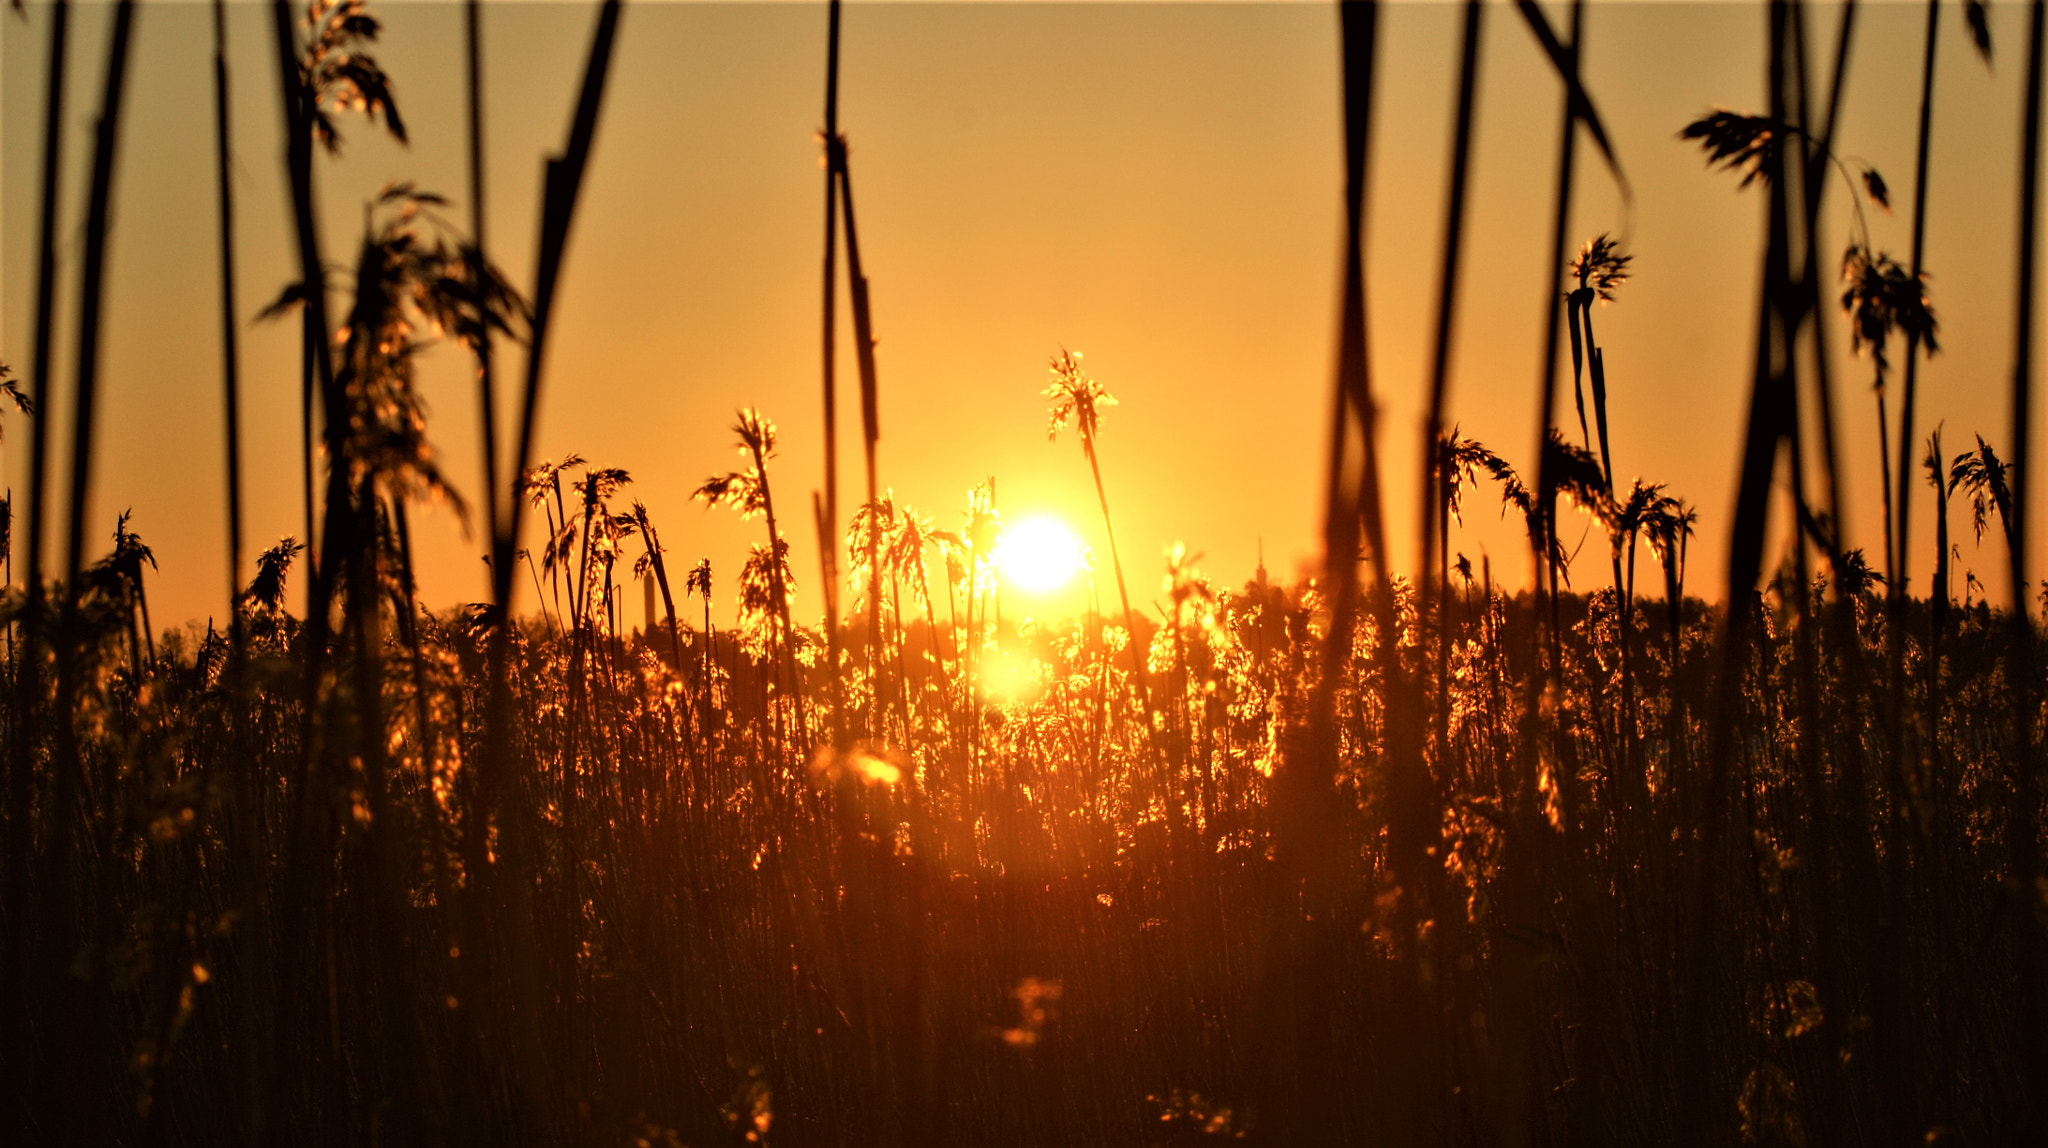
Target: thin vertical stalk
pixel 2024 827
pixel 828 507
pixel 310 348
pixel 77 1102
pixel 247 889
pixel 1902 495
pixel 1305 1087
pixel 92 294
pixel 229 309
pixel 1772 421
pixel 563 180
pixel 320 380
pixel 871 426
pixel 1816 173
pixel 563 183
pixel 1546 474
pixel 23 972
pixel 486 394
pixel 1436 478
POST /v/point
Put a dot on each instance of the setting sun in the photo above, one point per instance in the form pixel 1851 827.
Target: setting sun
pixel 1040 555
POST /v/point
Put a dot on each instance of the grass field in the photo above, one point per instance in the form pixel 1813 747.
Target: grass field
pixel 1381 856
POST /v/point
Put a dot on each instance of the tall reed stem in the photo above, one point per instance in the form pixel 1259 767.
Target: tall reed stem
pixel 828 507
pixel 2024 825
pixel 229 310
pixel 23 963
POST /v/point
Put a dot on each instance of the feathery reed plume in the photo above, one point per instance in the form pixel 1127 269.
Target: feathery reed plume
pixel 1983 474
pixel 1600 268
pixel 331 70
pixel 698 582
pixel 273 569
pixel 337 73
pixel 1078 399
pixel 1880 299
pixel 10 389
pixel 872 533
pixel 766 581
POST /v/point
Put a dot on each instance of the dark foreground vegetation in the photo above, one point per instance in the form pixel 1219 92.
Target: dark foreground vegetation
pixel 691 918
pixel 1373 859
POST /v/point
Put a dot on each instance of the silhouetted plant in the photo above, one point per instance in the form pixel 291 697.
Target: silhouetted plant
pixel 1982 474
pixel 1078 399
pixel 766 580
pixel 1882 300
pixel 1599 267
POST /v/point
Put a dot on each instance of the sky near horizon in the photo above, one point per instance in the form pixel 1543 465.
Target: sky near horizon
pixel 1155 185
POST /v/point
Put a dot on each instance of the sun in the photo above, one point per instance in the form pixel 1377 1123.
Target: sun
pixel 1040 554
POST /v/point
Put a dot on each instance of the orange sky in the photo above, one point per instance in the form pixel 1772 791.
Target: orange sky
pixel 1155 185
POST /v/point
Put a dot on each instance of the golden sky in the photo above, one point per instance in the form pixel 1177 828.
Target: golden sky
pixel 1156 185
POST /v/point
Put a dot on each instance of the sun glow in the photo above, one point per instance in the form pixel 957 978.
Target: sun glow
pixel 1040 555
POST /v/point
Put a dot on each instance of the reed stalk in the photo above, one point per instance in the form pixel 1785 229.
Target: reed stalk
pixel 2023 826
pixel 1437 477
pixel 828 506
pixel 24 964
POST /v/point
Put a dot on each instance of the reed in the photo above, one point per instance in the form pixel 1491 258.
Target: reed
pixel 1361 857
